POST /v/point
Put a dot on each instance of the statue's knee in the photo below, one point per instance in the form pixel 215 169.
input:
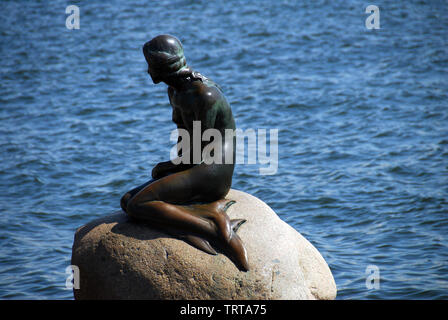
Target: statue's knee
pixel 132 206
pixel 124 201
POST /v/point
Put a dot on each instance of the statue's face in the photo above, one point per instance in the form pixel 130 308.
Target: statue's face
pixel 154 75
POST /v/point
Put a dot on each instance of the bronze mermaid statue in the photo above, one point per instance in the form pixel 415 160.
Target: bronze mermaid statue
pixel 189 197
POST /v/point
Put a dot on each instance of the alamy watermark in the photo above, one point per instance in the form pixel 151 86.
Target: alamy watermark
pixel 73 20
pixel 193 153
pixel 72 280
pixel 372 277
pixel 373 20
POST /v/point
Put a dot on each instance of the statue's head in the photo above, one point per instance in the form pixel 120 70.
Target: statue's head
pixel 165 57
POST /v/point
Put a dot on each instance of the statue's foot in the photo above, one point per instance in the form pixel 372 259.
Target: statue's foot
pixel 236 224
pixel 237 252
pixel 225 238
pixel 216 211
pixel 234 248
pixel 199 243
pixel 223 221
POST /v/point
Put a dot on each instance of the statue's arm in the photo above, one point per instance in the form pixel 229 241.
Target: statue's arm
pixel 207 107
pixel 168 167
pixel 211 100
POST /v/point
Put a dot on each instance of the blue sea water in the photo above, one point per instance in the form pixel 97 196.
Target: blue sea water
pixel 362 118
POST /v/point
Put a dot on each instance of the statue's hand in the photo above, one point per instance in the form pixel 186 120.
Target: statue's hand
pixel 156 172
pixel 161 169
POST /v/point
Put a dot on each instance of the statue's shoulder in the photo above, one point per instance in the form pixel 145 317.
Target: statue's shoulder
pixel 195 76
pixel 205 87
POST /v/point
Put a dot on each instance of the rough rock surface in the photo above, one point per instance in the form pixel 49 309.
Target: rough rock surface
pixel 119 259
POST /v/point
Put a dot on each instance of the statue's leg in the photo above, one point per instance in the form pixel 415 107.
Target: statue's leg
pixel 216 211
pixel 164 202
pixel 128 195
